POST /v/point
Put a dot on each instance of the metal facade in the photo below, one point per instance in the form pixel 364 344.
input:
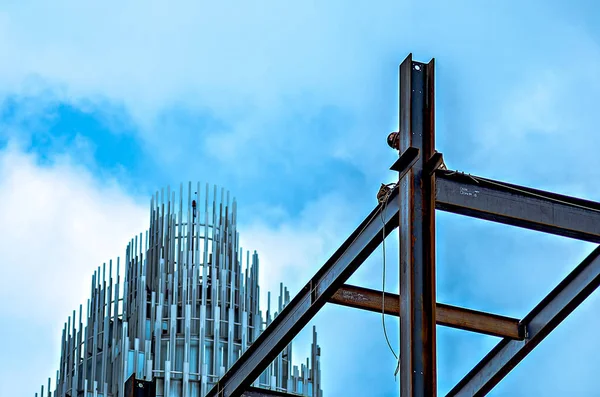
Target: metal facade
pixel 180 312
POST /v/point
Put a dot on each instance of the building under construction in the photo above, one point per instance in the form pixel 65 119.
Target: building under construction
pixel 179 313
pixel 425 185
pixel 189 322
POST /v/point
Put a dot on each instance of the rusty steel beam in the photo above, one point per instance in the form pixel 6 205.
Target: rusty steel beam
pixel 542 320
pixel 417 240
pixel 446 315
pixel 518 206
pixel 478 321
pixel 303 307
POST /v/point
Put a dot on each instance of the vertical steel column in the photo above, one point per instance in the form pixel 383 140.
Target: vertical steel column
pixel 417 233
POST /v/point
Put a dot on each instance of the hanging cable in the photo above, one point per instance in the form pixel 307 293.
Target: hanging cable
pixel 383 196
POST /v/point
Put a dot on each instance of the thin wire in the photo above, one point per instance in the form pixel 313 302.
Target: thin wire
pixel 383 196
pixel 218 384
pixel 382 202
pixel 352 242
pixel 387 339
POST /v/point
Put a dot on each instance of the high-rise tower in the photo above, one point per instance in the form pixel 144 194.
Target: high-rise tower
pixel 181 311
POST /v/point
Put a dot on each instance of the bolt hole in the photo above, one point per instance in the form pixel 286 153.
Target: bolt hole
pixel 417 67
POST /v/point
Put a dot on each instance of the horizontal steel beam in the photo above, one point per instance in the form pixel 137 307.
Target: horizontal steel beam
pixel 478 321
pixel 518 206
pixel 303 307
pixel 447 315
pixel 542 320
pixel 259 392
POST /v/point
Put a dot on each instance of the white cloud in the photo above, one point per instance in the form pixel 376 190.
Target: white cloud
pixel 542 129
pixel 60 224
pixel 243 62
pixel 149 54
pixel 293 249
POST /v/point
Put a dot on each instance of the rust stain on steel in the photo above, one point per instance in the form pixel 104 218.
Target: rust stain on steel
pixel 446 315
pixel 353 296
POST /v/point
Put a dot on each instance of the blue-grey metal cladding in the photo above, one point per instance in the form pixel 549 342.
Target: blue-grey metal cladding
pixel 182 310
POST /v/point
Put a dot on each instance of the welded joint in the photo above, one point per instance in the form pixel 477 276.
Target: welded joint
pixel 313 292
pixel 435 162
pixel 523 331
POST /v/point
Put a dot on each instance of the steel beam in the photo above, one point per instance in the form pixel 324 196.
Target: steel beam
pixel 417 240
pixel 542 320
pixel 477 321
pixel 342 264
pixel 518 206
pixel 447 315
pixel 259 392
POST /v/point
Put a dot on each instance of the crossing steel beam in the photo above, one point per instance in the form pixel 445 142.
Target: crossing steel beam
pixel 542 320
pixel 303 307
pixel 422 188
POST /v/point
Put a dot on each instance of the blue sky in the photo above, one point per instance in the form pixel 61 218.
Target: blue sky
pixel 288 106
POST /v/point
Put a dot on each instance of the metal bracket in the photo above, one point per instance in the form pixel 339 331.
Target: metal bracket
pixel 434 163
pixel 406 160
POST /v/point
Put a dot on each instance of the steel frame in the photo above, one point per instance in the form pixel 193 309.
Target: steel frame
pixel 447 315
pixel 423 187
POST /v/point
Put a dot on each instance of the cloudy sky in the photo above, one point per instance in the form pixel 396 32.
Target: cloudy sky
pixel 287 104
